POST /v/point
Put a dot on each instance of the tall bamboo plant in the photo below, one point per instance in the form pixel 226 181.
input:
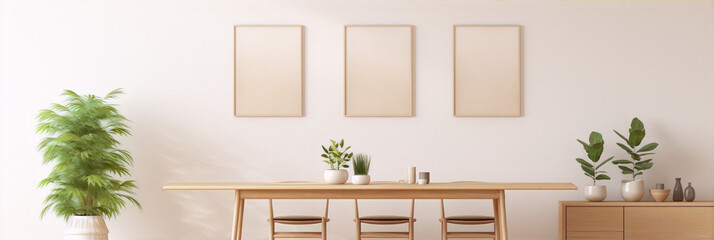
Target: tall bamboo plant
pixel 635 165
pixel 81 142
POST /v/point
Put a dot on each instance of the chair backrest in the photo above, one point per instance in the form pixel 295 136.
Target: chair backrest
pixel 327 207
pixel 411 212
pixel 443 210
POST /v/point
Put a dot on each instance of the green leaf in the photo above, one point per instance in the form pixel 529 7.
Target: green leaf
pixel 603 163
pixel 588 170
pixel 622 161
pixel 636 124
pixel 595 137
pixel 583 162
pixel 636 137
pixel 643 165
pixel 648 147
pixel 324 149
pixel 602 177
pixel 324 155
pixel 590 176
pixel 342 143
pixel 624 147
pixel 626 170
pixel 635 156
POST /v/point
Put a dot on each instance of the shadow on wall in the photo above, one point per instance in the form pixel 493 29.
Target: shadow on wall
pixel 177 154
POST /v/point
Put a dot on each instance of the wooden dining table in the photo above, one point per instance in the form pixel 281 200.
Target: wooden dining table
pixel 375 190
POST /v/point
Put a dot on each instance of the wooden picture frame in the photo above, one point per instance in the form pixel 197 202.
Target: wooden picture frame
pixel 268 71
pixel 379 70
pixel 487 70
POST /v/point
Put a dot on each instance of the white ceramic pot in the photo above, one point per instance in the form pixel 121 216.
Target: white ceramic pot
pixel 336 176
pixel 632 191
pixel 360 179
pixel 596 193
pixel 86 228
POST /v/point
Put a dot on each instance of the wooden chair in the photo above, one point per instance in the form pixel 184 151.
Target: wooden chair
pixel 385 220
pixel 299 220
pixel 467 220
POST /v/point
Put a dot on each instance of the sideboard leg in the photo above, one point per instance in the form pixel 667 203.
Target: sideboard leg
pixel 502 231
pixel 237 216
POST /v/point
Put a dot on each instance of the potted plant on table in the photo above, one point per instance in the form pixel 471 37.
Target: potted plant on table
pixel 594 193
pixel 633 190
pixel 360 166
pixel 337 158
pixel 87 163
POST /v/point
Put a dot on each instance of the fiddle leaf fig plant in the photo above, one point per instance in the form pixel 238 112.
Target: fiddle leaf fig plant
pixel 335 156
pixel 88 163
pixel 594 148
pixel 635 165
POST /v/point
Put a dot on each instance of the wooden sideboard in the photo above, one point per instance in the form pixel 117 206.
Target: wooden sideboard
pixel 636 220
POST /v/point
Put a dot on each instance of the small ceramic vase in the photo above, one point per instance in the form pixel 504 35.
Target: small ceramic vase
pixel 678 194
pixel 632 191
pixel 425 175
pixel 689 193
pixel 334 176
pixel 596 193
pixel 360 179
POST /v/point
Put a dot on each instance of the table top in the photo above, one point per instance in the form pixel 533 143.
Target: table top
pixel 466 185
pixel 636 204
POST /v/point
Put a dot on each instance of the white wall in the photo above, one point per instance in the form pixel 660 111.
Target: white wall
pixel 588 65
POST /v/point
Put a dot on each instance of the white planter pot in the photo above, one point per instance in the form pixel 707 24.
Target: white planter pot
pixel 336 176
pixel 596 193
pixel 632 191
pixel 86 228
pixel 360 179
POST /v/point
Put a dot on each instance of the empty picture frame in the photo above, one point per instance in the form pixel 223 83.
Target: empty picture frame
pixel 268 71
pixel 487 71
pixel 379 72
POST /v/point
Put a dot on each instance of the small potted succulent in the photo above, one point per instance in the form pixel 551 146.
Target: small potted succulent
pixel 360 166
pixel 633 190
pixel 591 167
pixel 337 158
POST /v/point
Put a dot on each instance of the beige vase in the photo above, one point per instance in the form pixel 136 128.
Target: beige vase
pixel 336 176
pixel 86 228
pixel 596 193
pixel 632 191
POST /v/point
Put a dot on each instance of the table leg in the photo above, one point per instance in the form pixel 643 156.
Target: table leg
pixel 237 216
pixel 502 231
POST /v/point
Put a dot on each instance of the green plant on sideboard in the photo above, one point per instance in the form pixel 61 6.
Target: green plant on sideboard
pixel 594 151
pixel 360 164
pixel 86 155
pixel 335 156
pixel 635 165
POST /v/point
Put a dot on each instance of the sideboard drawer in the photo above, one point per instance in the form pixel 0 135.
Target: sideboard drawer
pixel 666 223
pixel 594 219
pixel 594 236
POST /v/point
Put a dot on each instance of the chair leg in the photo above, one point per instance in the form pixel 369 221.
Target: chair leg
pixel 324 230
pixel 359 229
pixel 496 219
pixel 411 229
pixel 272 230
pixel 443 230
